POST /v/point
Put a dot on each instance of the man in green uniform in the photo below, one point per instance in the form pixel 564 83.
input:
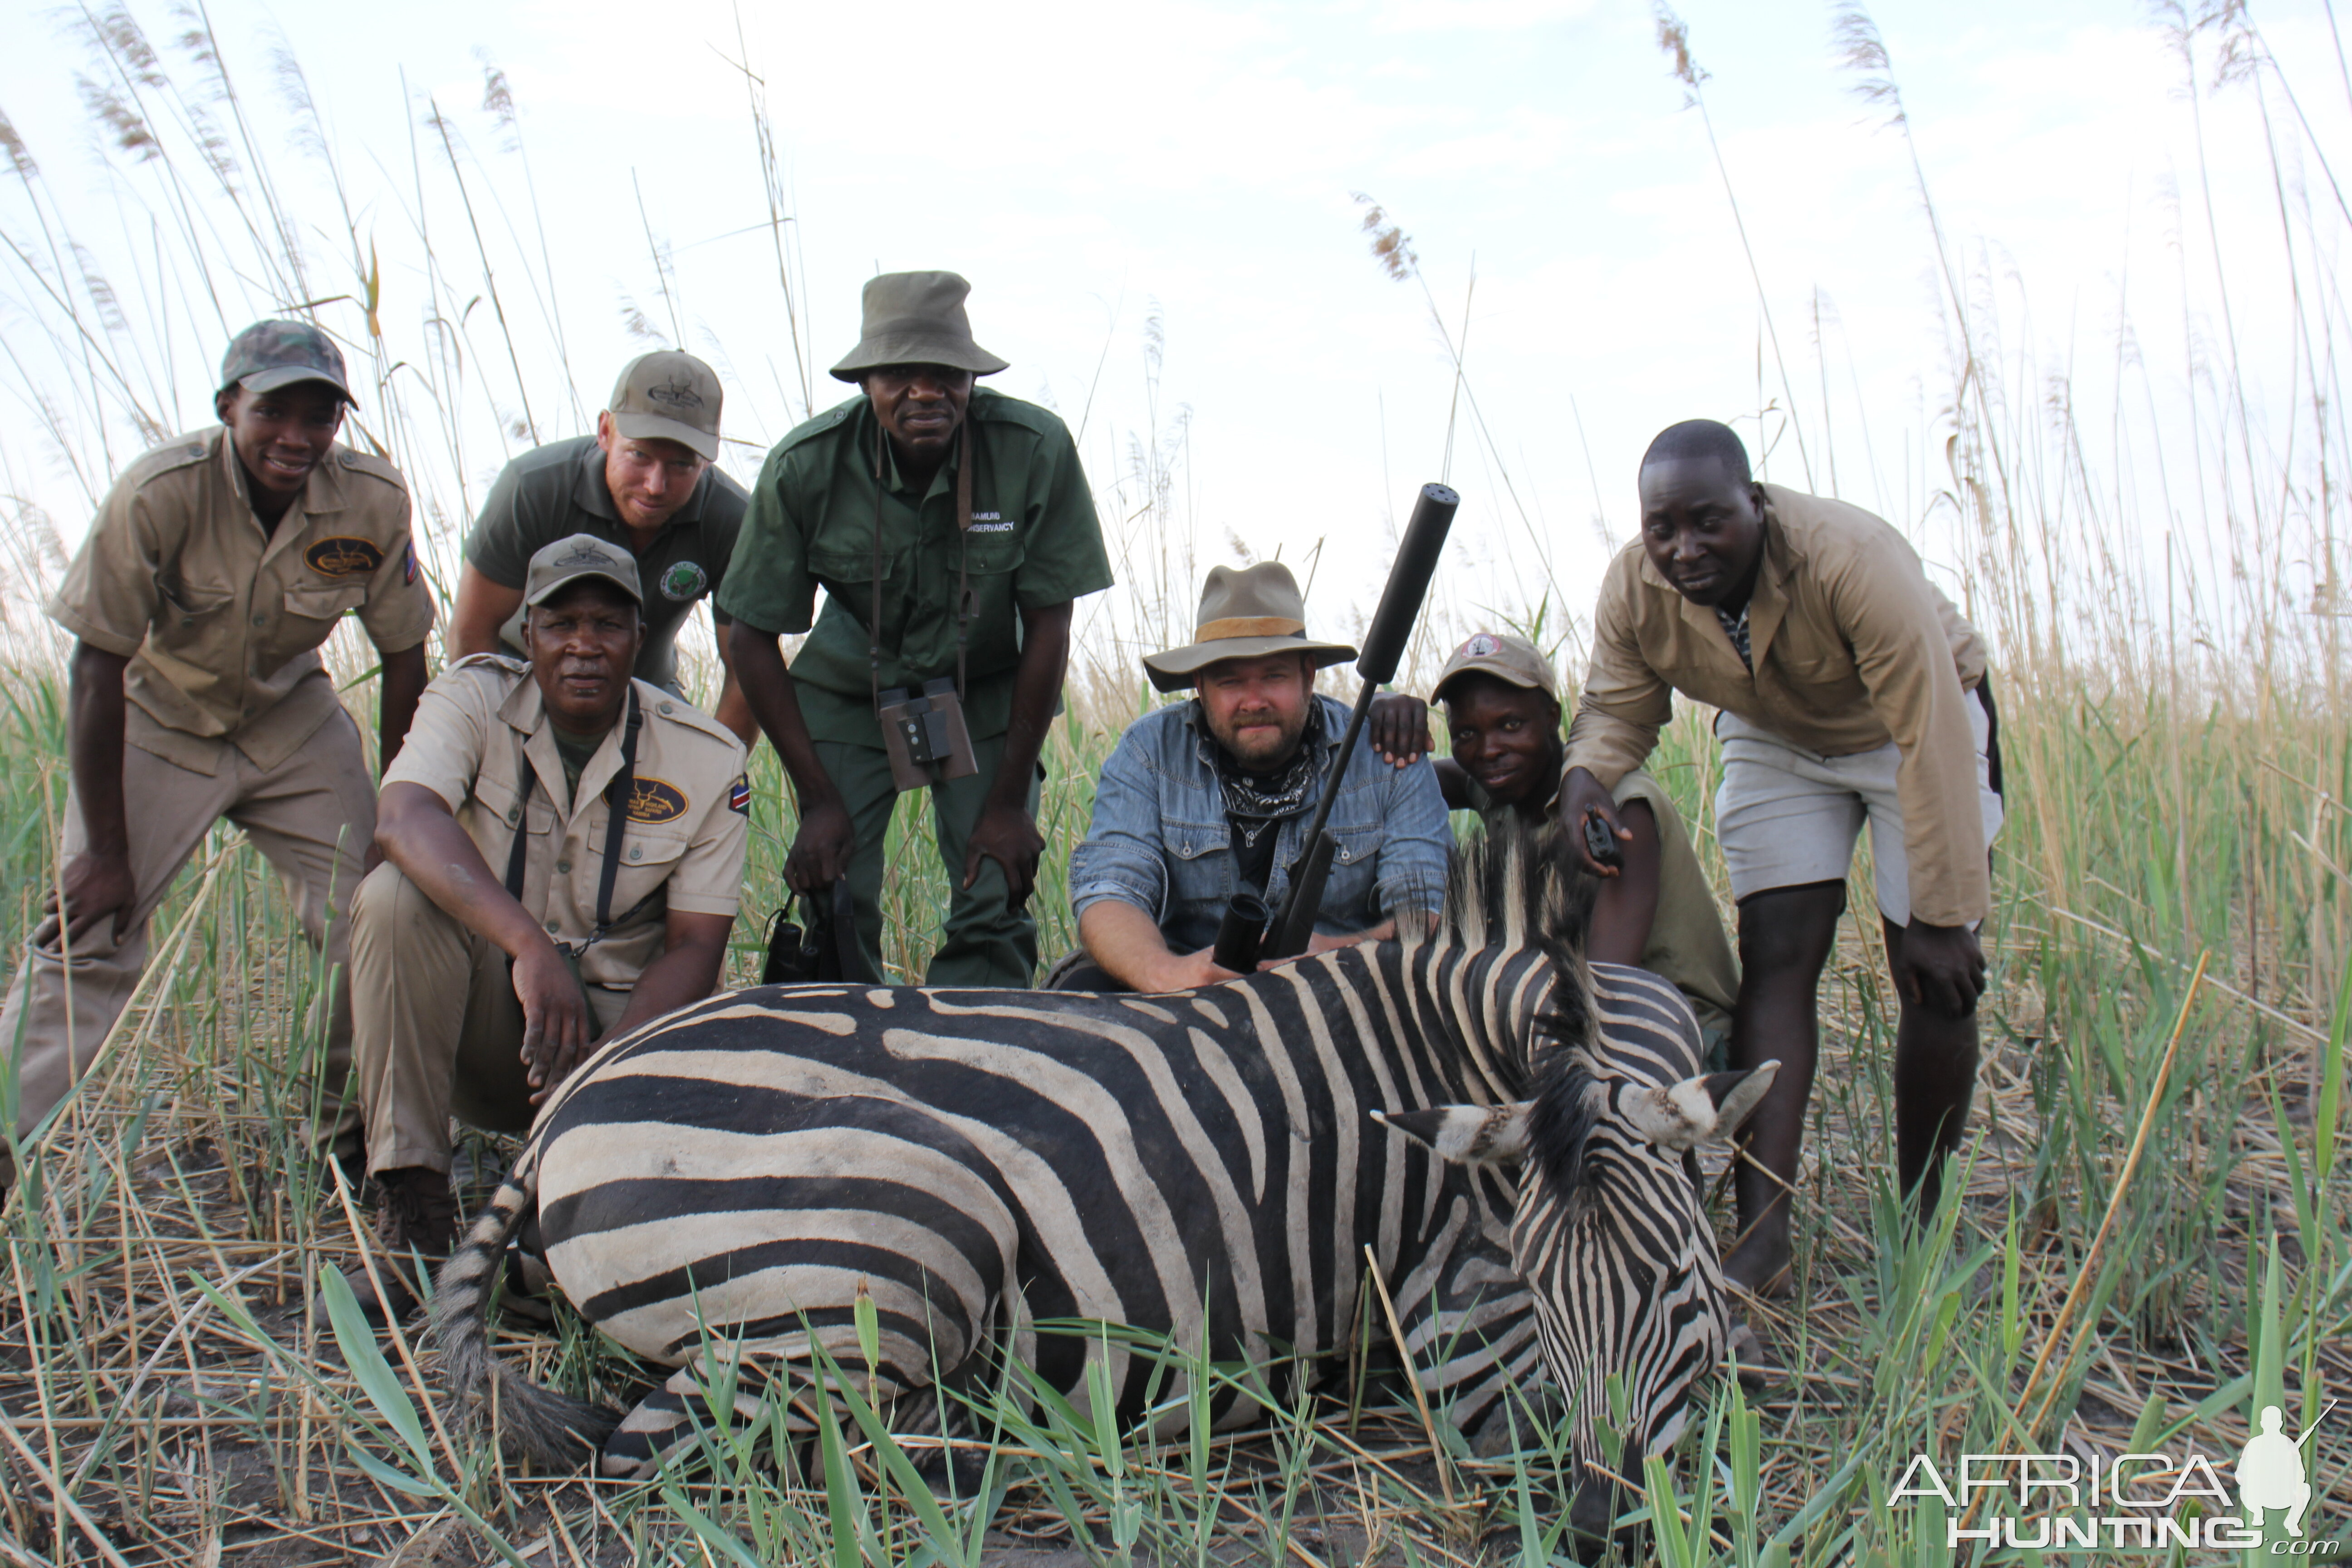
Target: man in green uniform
pixel 645 481
pixel 922 496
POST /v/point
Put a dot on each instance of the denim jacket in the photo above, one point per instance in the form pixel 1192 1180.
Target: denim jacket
pixel 1160 839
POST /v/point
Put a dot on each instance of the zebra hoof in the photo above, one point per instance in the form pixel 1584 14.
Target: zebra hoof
pixel 1751 1363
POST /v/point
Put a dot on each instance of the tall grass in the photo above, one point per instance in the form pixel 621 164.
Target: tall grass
pixel 2154 1234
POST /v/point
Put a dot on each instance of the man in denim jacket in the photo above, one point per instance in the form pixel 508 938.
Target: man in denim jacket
pixel 1202 799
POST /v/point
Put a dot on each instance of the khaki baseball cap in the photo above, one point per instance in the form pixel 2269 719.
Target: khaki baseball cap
pixel 1513 660
pixel 267 355
pixel 582 556
pixel 669 396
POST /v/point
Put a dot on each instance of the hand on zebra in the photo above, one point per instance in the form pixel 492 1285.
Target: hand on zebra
pixel 1397 727
pixel 1005 834
pixel 556 1025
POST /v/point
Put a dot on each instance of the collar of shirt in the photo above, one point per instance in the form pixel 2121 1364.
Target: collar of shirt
pixel 1767 602
pixel 525 711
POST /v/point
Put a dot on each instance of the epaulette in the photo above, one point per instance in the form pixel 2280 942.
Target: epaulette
pixel 180 452
pixel 810 428
pixel 373 465
pixel 679 710
pixel 505 664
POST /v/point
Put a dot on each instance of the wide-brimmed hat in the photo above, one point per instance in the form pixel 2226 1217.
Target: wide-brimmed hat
pixel 917 318
pixel 1244 614
pixel 669 396
pixel 1513 660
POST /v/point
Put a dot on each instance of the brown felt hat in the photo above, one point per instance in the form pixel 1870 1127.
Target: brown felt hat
pixel 917 318
pixel 1246 613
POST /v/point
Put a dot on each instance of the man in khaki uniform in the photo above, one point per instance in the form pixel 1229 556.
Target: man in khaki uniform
pixel 1850 691
pixel 217 567
pixel 1502 706
pixel 516 918
pixel 647 482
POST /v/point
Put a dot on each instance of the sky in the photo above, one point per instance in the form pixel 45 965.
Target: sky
pixel 1159 208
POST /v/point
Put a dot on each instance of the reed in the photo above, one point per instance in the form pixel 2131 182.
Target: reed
pixel 2176 728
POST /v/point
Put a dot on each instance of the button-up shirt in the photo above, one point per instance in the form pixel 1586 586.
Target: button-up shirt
pixel 482 742
pixel 1851 646
pixel 1161 841
pixel 222 618
pixel 1034 541
pixel 557 490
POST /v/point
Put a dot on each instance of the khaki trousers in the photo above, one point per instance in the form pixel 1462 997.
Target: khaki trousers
pixel 437 1030
pixel 313 817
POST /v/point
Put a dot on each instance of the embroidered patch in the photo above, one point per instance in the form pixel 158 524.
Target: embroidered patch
pixel 684 581
pixel 343 556
pixel 656 800
pixel 674 394
pixel 408 568
pixel 1482 646
pixel 738 797
pixel 994 527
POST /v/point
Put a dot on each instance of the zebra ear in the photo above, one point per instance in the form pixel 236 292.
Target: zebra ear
pixel 1465 1134
pixel 1697 1110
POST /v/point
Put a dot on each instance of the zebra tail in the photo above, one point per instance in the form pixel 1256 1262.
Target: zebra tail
pixel 552 1430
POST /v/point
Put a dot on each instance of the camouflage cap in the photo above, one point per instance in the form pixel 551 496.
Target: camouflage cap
pixel 1512 660
pixel 669 396
pixel 565 561
pixel 267 355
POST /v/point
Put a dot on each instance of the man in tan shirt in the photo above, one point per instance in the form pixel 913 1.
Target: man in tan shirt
pixel 1849 691
pixel 564 854
pixel 218 566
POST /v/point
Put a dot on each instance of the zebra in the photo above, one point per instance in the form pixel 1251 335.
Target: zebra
pixel 1200 1163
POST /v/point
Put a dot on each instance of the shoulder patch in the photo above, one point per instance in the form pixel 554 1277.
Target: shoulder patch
pixel 656 800
pixel 738 795
pixel 344 556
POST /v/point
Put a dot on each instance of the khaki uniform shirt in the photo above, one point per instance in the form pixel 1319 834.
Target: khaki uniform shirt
pixel 1034 541
pixel 482 729
pixel 221 619
pixel 557 490
pixel 1686 946
pixel 1853 648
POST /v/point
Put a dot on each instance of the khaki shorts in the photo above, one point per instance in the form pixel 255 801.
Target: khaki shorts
pixel 1787 816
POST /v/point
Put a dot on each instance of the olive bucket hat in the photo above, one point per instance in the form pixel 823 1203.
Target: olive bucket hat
pixel 1244 614
pixel 917 318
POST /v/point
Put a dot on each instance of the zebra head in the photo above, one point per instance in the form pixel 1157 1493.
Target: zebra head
pixel 1610 1239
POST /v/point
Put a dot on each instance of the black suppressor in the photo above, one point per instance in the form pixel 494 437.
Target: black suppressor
pixel 1240 934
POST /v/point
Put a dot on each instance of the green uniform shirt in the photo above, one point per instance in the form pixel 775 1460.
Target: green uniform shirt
pixel 1687 947
pixel 1034 541
pixel 554 492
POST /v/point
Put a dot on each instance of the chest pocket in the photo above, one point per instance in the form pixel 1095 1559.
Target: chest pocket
pixel 990 554
pixel 324 603
pixel 187 603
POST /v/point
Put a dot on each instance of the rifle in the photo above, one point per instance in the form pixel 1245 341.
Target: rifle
pixel 1409 574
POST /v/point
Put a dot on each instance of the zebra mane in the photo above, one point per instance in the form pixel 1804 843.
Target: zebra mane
pixel 1519 888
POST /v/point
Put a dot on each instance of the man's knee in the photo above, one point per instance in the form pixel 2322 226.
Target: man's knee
pixel 1784 929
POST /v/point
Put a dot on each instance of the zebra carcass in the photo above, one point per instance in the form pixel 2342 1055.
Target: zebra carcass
pixel 1204 1164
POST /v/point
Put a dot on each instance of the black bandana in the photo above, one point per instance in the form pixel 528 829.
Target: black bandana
pixel 1254 802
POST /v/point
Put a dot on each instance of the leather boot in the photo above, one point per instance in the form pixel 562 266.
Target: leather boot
pixel 416 1219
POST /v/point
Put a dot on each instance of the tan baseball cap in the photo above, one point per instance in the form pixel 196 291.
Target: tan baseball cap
pixel 582 556
pixel 669 396
pixel 1513 660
